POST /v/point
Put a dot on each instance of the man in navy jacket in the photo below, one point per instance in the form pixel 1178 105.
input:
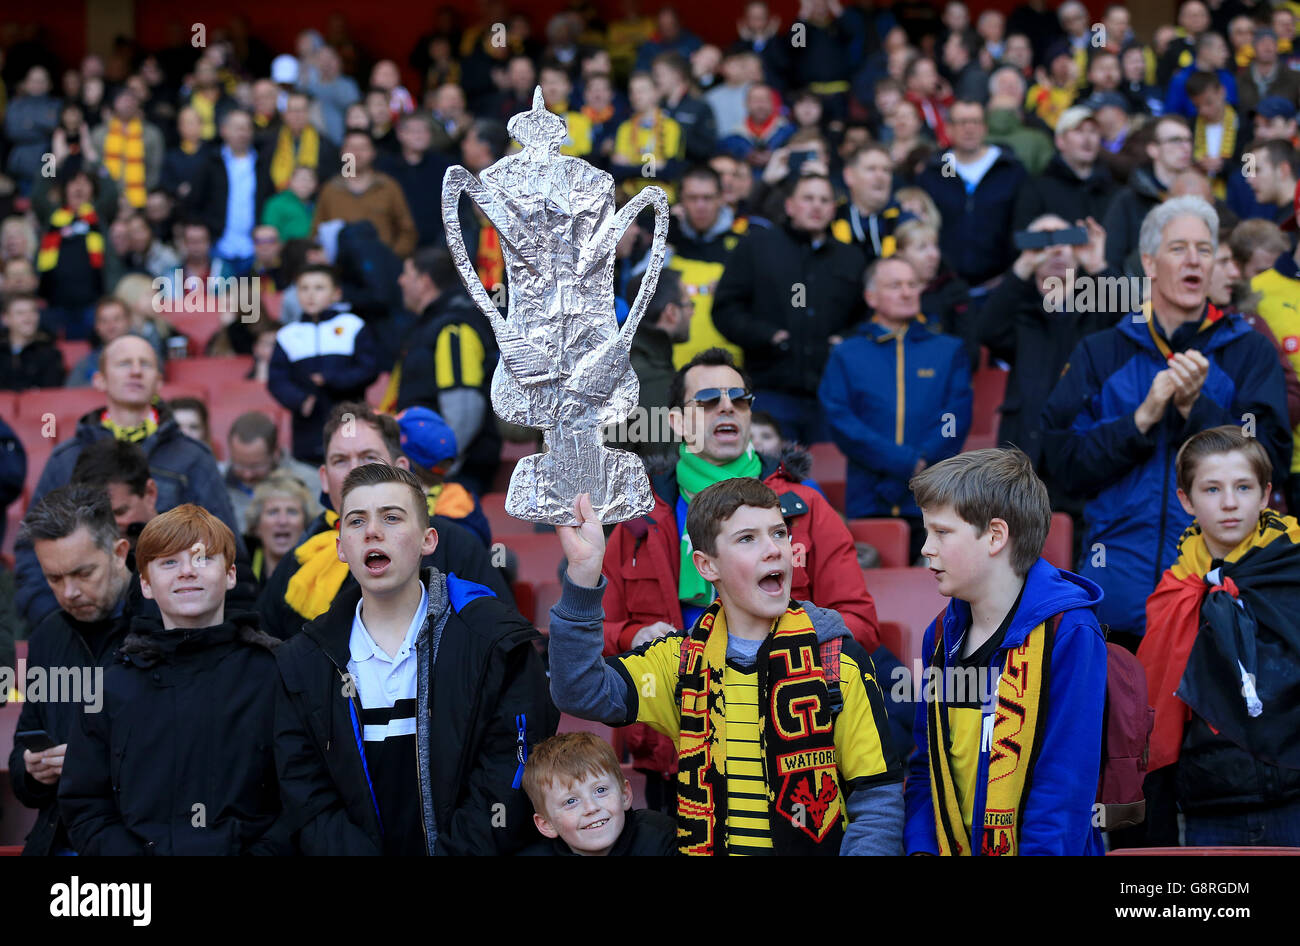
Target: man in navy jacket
pixel 1131 395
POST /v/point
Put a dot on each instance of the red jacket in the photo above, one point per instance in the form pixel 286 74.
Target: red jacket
pixel 643 563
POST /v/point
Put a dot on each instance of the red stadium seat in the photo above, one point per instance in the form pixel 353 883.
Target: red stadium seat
pixel 73 352
pixel 573 724
pixel 170 392
pixel 990 386
pixel 8 406
pixel 198 327
pixel 909 597
pixel 828 464
pixel 890 537
pixel 66 404
pixel 834 495
pixel 980 442
pixel 1059 548
pixel 524 600
pixel 545 595
pixel 501 522
pixel 538 553
pixel 894 637
pixel 211 373
pixel 37 447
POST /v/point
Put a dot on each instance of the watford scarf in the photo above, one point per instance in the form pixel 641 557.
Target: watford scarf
pixel 64 222
pixel 798 726
pixel 124 158
pixel 1017 735
pixel 139 432
pixel 1208 628
pixel 694 473
pixel 388 403
pixel 1227 145
pixel 320 574
pixel 289 155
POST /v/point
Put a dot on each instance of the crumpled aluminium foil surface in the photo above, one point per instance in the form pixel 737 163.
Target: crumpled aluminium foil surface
pixel 564 364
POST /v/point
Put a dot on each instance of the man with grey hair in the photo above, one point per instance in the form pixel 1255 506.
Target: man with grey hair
pixel 1131 395
pixel 85 562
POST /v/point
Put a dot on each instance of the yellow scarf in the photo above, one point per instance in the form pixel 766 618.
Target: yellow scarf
pixel 1021 703
pixel 388 403
pixel 287 156
pixel 449 499
pixel 124 158
pixel 141 431
pixel 320 574
pixel 1227 146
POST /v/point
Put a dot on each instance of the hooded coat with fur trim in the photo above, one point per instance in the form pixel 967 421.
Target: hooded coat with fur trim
pixel 181 758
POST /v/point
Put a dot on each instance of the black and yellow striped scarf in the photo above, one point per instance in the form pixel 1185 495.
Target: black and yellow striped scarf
pixel 124 158
pixel 289 154
pixel 141 431
pixel 1017 734
pixel 798 729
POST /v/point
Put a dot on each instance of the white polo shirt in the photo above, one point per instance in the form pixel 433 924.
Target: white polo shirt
pixel 382 680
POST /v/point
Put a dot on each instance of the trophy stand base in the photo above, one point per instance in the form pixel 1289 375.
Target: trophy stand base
pixel 544 486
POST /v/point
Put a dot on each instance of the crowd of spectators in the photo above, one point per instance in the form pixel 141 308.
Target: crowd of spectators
pixel 872 208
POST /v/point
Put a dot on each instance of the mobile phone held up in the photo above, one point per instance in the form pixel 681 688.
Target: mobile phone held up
pixel 1042 239
pixel 34 740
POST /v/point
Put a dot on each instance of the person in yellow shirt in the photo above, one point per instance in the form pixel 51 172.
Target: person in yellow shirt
pixel 774 710
pixel 648 146
pixel 556 89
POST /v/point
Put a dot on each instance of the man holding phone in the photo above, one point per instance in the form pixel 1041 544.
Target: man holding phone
pixel 85 562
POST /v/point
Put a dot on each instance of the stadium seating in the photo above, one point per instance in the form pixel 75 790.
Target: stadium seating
pixel 524 601
pixel 512 451
pixel 73 352
pixel 573 724
pixel 545 595
pixel 211 373
pixel 67 405
pixel 198 327
pixel 1059 548
pixel 910 598
pixel 990 389
pixel 538 553
pixel 501 522
pixel 889 537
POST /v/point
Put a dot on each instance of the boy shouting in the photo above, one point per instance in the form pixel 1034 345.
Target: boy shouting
pixel 774 710
pixel 409 706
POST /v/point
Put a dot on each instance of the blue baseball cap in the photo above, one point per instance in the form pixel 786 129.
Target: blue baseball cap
pixel 1274 106
pixel 426 437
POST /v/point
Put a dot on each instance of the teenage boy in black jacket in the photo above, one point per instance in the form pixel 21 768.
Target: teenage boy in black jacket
pixel 408 708
pixel 179 760
pixel 85 562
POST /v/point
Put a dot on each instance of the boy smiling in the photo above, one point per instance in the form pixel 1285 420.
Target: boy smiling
pixel 773 708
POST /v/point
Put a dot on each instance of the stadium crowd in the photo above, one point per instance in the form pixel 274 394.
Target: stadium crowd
pixel 899 236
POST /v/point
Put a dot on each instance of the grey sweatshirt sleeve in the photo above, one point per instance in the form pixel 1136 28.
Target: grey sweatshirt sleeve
pixel 875 822
pixel 583 684
pixel 463 409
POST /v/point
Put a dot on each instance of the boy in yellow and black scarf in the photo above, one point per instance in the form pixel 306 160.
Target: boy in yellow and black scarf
pixel 775 711
pixel 1008 735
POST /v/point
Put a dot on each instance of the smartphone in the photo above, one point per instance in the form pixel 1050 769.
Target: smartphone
pixel 34 740
pixel 1041 239
pixel 797 159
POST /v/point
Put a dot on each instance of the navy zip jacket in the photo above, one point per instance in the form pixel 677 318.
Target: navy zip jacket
pixel 976 235
pixel 340 346
pixel 892 398
pixel 1093 449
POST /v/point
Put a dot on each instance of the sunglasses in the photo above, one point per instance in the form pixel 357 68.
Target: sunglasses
pixel 708 398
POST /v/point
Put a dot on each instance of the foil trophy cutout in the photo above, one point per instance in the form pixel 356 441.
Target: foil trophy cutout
pixel 564 364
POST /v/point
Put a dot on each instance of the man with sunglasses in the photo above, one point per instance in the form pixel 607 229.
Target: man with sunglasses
pixel 654 588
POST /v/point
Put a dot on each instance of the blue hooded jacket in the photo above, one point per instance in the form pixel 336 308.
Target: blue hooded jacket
pixel 891 399
pixel 1056 817
pixel 1093 449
